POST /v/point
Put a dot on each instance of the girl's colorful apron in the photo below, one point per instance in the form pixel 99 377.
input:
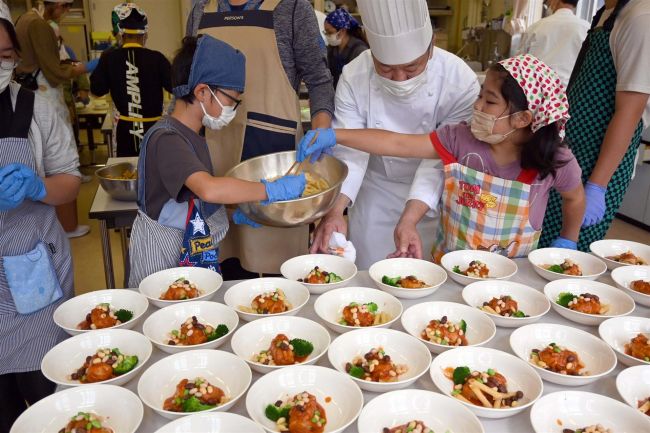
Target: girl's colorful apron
pixel 483 212
pixel 592 97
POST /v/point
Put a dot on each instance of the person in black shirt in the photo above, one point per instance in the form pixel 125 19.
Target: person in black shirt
pixel 135 76
pixel 345 40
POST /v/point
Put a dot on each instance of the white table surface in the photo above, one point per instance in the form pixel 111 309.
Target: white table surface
pixel 104 203
pixel 450 291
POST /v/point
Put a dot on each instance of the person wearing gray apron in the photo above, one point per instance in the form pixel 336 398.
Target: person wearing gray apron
pixel 178 198
pixel 38 169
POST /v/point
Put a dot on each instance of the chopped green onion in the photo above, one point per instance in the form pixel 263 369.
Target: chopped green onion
pixel 491 372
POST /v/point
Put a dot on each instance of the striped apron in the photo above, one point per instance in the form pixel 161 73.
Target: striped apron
pixel 484 212
pixel 25 339
pixel 156 245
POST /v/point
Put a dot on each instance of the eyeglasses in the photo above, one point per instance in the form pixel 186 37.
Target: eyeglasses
pixel 8 65
pixel 232 98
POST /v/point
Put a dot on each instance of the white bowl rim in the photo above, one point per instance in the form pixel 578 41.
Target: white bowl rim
pixel 338 283
pixel 629 268
pixel 581 314
pixel 438 268
pixel 523 286
pixel 167 302
pixel 476 279
pixel 285 313
pixel 587 256
pixel 610 241
pixel 609 322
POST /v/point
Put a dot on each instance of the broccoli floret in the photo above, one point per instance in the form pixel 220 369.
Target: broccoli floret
pixel 301 347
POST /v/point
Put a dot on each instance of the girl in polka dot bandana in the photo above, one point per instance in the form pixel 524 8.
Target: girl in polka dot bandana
pixel 498 169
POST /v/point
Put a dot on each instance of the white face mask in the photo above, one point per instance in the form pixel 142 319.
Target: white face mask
pixel 404 89
pixel 5 76
pixel 483 124
pixel 216 123
pixel 333 40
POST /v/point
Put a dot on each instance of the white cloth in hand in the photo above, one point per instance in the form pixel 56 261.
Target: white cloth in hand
pixel 340 246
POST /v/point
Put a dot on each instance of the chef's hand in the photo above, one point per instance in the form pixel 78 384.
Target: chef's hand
pixel 332 222
pixel 325 140
pixel 240 218
pixel 595 207
pixel 561 242
pixel 34 185
pixel 12 189
pixel 285 188
pixel 407 241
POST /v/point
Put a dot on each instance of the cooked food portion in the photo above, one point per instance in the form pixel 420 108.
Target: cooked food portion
pixel 298 414
pixel 284 351
pixel 568 267
pixel 319 276
pixel 409 282
pixel 586 303
pixel 641 286
pixel 180 290
pixel 445 332
pixel 315 184
pixel 409 427
pixel 503 306
pixel 85 422
pixel 375 366
pixel 195 396
pixel 105 364
pixel 192 333
pixel 628 258
pixel 125 175
pixel 644 406
pixel 487 389
pixel 596 428
pixel 274 302
pixel 558 359
pixel 103 316
pixel 639 347
pixel 476 269
pixel 363 315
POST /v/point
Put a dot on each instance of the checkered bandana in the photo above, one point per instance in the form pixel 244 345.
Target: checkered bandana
pixel 542 86
pixel 341 19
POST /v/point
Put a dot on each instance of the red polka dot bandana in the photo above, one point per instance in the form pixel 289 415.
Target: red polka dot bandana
pixel 542 86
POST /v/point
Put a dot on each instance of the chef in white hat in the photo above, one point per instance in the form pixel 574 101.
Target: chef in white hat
pixel 403 84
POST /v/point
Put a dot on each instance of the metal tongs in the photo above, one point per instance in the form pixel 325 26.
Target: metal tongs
pixel 298 165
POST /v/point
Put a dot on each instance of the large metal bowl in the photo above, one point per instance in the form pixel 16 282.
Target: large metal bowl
pixel 297 212
pixel 119 189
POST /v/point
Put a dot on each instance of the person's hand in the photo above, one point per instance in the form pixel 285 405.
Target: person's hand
pixel 91 65
pixel 407 241
pixel 240 218
pixel 285 188
pixel 12 188
pixel 34 185
pixel 325 140
pixel 561 242
pixel 332 222
pixel 595 206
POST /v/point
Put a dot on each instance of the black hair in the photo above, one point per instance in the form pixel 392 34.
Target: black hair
pixel 538 153
pixel 359 33
pixel 11 31
pixel 573 3
pixel 182 64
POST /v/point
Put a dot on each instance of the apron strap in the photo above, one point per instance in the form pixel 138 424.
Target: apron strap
pixel 527 176
pixel 18 120
pixel 445 156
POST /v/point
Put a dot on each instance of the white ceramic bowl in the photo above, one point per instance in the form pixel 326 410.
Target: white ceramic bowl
pixel 159 325
pixel 219 368
pixel 429 272
pixel 592 267
pixel 519 374
pixel 531 301
pixel 298 267
pixel 619 303
pixel 402 349
pixel 617 332
pixel 577 409
pixel 633 384
pixel 500 267
pixel 242 294
pixel 212 422
pixel 69 355
pixel 597 357
pixel 73 311
pixel 156 284
pixel 120 409
pixel 613 247
pixel 624 276
pixel 439 413
pixel 329 306
pixel 255 336
pixel 336 393
pixel 480 327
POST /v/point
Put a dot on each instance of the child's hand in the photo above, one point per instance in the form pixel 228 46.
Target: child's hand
pixel 285 188
pixel 240 218
pixel 565 243
pixel 323 140
pixel 595 208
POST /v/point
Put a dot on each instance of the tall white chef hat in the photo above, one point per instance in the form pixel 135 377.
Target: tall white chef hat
pixel 4 11
pixel 399 31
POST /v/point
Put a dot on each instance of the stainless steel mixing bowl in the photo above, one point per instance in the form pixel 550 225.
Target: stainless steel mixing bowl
pixel 119 189
pixel 291 212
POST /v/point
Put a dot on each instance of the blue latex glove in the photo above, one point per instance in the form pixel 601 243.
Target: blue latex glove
pixel 240 218
pixel 12 191
pixel 91 65
pixel 325 140
pixel 285 188
pixel 561 242
pixel 595 210
pixel 34 185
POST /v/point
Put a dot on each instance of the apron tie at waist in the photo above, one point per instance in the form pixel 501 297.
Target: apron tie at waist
pixel 140 119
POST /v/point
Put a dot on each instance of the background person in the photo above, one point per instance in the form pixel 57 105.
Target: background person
pixel 345 41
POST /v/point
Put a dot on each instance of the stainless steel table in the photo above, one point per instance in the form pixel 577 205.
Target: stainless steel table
pixel 113 214
pixel 450 291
